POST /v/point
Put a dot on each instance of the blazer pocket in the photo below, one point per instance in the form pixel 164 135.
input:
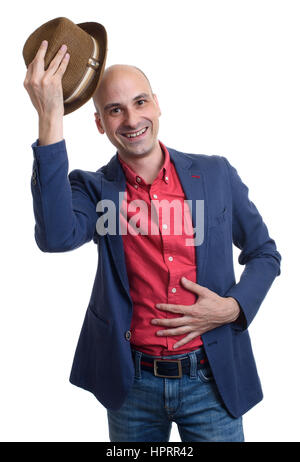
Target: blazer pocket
pixel 218 219
pixel 103 322
pixel 219 242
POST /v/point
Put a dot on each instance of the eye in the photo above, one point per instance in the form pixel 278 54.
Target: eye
pixel 115 110
pixel 141 102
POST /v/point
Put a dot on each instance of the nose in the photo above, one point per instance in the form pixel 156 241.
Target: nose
pixel 131 119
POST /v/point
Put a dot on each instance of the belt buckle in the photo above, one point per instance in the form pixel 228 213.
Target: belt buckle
pixel 178 361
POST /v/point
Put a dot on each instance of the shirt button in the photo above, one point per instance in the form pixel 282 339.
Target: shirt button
pixel 128 335
pixel 170 258
pixel 155 196
pixel 138 179
pixel 174 290
pixel 166 178
pixel 136 186
pixel 165 226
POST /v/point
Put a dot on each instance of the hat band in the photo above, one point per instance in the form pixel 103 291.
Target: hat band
pixel 93 64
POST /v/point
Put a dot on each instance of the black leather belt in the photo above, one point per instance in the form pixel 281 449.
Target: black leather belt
pixel 172 368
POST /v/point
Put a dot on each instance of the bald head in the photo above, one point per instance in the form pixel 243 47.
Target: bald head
pixel 115 74
pixel 127 111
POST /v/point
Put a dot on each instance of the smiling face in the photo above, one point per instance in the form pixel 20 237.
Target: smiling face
pixel 128 111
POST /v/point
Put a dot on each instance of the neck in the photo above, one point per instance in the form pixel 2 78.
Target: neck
pixel 147 166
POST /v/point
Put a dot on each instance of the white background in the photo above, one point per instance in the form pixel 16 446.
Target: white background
pixel 227 76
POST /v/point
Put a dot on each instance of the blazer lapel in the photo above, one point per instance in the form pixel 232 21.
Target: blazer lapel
pixel 114 183
pixel 193 183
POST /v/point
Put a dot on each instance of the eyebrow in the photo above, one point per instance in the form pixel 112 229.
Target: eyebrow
pixel 111 105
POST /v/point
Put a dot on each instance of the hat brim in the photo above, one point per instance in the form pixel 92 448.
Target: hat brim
pixel 99 33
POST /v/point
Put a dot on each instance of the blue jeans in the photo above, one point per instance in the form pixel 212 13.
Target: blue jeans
pixel 192 402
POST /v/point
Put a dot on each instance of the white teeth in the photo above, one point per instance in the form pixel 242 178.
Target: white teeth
pixel 133 135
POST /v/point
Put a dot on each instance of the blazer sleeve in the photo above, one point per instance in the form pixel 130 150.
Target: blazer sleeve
pixel 65 214
pixel 258 252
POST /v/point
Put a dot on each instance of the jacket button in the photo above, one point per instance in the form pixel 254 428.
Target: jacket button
pixel 128 335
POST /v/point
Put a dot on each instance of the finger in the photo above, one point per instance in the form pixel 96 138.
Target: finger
pixel 178 331
pixel 55 63
pixel 42 50
pixel 39 58
pixel 186 339
pixel 174 308
pixel 38 63
pixel 194 287
pixel 63 65
pixel 174 322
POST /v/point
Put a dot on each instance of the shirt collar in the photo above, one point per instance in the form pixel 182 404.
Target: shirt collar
pixel 163 174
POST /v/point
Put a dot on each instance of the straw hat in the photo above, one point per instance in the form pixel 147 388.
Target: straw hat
pixel 87 45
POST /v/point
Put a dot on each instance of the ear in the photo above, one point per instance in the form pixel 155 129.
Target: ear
pixel 99 123
pixel 156 101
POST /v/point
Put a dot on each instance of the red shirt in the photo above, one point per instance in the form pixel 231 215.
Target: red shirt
pixel 156 255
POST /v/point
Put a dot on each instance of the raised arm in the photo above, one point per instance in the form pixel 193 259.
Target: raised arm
pixel 65 213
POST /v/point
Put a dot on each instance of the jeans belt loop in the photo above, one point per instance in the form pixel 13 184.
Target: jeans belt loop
pixel 193 364
pixel 137 361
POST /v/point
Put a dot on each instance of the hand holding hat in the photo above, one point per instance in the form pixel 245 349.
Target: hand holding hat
pixel 45 87
pixel 63 79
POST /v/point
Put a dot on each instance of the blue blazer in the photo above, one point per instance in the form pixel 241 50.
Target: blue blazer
pixel 65 218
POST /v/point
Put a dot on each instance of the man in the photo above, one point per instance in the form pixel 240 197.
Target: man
pixel 165 336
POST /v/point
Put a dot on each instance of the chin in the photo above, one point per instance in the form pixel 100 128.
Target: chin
pixel 137 150
pixel 140 151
